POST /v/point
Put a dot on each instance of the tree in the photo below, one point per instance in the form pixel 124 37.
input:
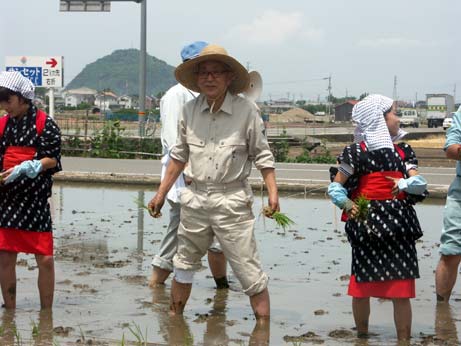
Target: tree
pixel 361 97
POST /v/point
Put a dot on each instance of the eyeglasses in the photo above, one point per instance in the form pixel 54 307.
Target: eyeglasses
pixel 214 74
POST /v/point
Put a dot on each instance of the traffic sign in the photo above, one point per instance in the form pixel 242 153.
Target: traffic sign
pixel 84 6
pixel 43 71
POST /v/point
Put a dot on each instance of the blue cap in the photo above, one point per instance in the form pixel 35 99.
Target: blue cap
pixel 192 50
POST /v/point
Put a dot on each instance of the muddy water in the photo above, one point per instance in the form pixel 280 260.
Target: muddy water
pixel 104 246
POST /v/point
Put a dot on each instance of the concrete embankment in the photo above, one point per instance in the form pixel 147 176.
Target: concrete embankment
pixel 303 187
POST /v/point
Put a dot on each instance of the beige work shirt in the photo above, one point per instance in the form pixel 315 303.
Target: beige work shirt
pixel 220 147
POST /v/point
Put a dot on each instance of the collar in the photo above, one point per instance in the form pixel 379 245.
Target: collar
pixel 226 107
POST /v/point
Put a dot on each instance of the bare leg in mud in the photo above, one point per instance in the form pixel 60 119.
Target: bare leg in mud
pixel 361 312
pixel 158 277
pixel 8 278
pixel 402 318
pixel 180 293
pixel 218 267
pixel 261 305
pixel 45 280
pixel 445 276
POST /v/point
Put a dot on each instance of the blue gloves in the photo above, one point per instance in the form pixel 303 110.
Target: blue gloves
pixel 30 168
pixel 416 185
pixel 338 195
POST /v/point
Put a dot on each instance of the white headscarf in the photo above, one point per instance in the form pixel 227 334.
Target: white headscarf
pixel 18 83
pixel 371 127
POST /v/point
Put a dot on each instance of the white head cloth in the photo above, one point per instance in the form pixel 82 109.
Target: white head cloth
pixel 18 83
pixel 371 127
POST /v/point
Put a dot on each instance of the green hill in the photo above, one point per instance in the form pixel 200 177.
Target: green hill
pixel 119 72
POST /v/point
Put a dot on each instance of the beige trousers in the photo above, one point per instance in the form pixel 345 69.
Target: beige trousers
pixel 225 212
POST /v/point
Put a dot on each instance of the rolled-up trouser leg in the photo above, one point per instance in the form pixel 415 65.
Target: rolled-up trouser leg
pixel 233 226
pixel 450 240
pixel 169 244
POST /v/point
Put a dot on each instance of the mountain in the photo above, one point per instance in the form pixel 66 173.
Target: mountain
pixel 119 72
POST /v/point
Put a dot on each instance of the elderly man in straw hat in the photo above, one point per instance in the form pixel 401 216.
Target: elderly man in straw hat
pixel 170 110
pixel 220 136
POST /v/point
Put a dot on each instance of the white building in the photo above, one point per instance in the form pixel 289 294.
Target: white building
pixel 126 101
pixel 104 100
pixel 74 97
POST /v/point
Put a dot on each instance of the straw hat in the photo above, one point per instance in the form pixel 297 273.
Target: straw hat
pixel 186 72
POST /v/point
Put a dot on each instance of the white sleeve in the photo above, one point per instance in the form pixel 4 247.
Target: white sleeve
pixel 170 111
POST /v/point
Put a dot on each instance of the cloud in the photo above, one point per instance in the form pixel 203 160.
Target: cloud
pixel 389 42
pixel 275 27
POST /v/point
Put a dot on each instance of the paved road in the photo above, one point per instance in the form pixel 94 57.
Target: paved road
pixel 286 172
pixel 312 131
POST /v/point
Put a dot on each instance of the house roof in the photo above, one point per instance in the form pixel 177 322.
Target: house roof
pixel 81 91
pixel 350 102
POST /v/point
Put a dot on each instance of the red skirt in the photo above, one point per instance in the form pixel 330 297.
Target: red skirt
pixel 382 289
pixel 15 240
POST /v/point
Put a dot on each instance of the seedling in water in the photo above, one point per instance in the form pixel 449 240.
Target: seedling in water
pixel 141 205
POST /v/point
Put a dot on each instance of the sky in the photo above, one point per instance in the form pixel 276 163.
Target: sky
pixel 294 44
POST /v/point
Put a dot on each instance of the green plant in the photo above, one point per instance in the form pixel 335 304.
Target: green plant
pixel 137 333
pixel 280 219
pixel 362 204
pixel 17 337
pixel 34 329
pixel 106 143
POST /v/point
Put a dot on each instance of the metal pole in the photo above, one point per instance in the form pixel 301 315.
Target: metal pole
pixel 142 70
pixel 51 103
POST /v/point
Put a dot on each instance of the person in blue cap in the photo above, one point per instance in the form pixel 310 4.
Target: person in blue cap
pixel 450 240
pixel 170 111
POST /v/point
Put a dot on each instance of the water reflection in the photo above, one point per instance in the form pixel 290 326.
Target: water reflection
pixel 260 335
pixel 313 256
pixel 8 327
pixel 175 330
pixel 42 331
pixel 140 222
pixel 215 332
pixel 44 335
pixel 445 327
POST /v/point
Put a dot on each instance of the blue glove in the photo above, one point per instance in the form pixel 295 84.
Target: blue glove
pixel 416 185
pixel 338 195
pixel 30 168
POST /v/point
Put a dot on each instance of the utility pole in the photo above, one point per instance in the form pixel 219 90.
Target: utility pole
pixel 329 93
pixel 104 6
pixel 454 93
pixel 142 70
pixel 394 93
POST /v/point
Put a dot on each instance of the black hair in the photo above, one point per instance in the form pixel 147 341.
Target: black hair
pixel 6 93
pixel 389 110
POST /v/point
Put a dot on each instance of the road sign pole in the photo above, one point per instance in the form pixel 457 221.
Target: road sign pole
pixel 51 103
pixel 142 71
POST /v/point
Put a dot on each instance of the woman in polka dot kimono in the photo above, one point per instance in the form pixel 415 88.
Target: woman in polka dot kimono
pixel 30 146
pixel 383 234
